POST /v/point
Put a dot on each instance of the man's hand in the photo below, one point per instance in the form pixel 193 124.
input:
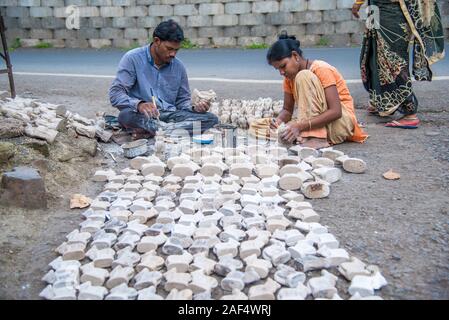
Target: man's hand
pixel 292 132
pixel 202 106
pixel 274 123
pixel 356 9
pixel 148 109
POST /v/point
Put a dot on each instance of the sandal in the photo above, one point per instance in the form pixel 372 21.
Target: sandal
pixel 372 110
pixel 404 123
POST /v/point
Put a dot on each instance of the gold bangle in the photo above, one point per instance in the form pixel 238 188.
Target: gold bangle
pixel 360 2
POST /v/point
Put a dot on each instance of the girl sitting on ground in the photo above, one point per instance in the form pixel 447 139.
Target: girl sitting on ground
pixel 325 107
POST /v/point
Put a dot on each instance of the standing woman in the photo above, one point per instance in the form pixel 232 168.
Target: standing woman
pixel 385 55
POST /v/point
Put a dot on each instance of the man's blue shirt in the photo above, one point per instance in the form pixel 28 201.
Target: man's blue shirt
pixel 138 78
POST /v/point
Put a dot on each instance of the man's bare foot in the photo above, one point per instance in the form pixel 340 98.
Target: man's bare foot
pixel 138 134
pixel 315 143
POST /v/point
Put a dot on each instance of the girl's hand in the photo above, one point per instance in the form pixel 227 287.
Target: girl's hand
pixel 292 132
pixel 274 123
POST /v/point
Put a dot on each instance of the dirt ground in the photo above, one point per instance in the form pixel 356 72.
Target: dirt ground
pixel 402 226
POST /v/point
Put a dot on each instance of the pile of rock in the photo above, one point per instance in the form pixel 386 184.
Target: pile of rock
pixel 242 112
pixel 45 120
pixel 212 223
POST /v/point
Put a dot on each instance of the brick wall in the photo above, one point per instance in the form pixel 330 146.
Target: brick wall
pixel 124 23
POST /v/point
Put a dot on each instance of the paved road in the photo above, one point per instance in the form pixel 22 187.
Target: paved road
pixel 200 63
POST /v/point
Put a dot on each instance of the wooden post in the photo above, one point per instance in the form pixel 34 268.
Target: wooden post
pixel 5 56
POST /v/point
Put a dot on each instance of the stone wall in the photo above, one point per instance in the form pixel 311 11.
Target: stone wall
pixel 127 23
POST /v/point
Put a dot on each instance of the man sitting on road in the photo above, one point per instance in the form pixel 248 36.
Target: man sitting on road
pixel 154 71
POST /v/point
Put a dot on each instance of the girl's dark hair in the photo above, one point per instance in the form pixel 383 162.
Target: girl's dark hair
pixel 169 31
pixel 283 48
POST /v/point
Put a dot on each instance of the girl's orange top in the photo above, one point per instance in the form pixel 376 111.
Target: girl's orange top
pixel 329 76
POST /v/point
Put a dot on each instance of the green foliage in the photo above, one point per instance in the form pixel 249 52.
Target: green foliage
pixel 15 44
pixel 257 46
pixel 323 42
pixel 43 45
pixel 187 44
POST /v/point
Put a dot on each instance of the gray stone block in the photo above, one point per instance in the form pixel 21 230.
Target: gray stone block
pixel 263 31
pixel 322 5
pixel 210 32
pixel 172 2
pixel 88 33
pixel 124 22
pixel 279 18
pixel 320 28
pixel 309 40
pixel 111 33
pixel 112 11
pixel 53 23
pixel 41 34
pixel 349 27
pixel 100 3
pixel 252 19
pixel 160 10
pixel 247 41
pixel 269 40
pixel 136 33
pixel 182 21
pixel 225 20
pixel 198 1
pixel 11 22
pixel 25 188
pixel 76 43
pixel 29 3
pixel 199 21
pixel 190 33
pixel 293 5
pixel 99 43
pixel 17 12
pixel 99 22
pixel 30 23
pixel 52 3
pixel 123 3
pixel 202 42
pixel 9 3
pixel 296 30
pixel 65 34
pixel 59 12
pixel 211 8
pixel 137 11
pixel 265 6
pixel 148 22
pixel 224 41
pixel 146 2
pixel 337 15
pixel 29 43
pixel 357 39
pixel 13 33
pixel 41 12
pixel 235 31
pixel 345 4
pixel 339 40
pixel 185 10
pixel 308 17
pixel 237 8
pixel 89 12
pixel 75 2
pixel 122 43
pixel 55 43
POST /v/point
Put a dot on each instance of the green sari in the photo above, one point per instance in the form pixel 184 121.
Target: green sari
pixel 385 56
